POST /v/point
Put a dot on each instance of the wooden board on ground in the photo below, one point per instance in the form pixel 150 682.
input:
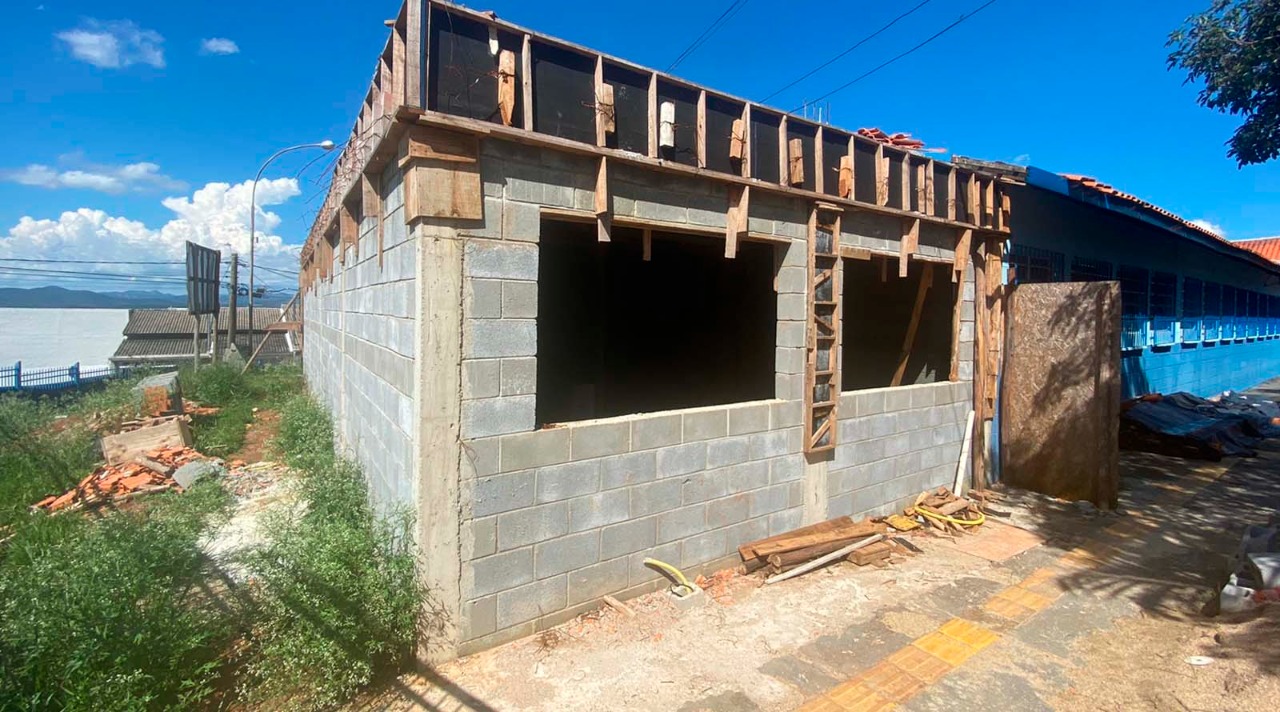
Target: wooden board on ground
pixel 871 553
pixel 997 542
pixel 124 447
pixel 846 534
pixel 746 550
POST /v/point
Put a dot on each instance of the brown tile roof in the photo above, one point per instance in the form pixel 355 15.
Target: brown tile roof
pixel 1099 186
pixel 151 347
pixel 1267 247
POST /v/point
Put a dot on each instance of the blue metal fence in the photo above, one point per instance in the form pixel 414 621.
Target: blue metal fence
pixel 51 380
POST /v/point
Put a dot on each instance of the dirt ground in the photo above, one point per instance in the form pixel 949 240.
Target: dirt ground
pixel 257 437
pixel 1127 595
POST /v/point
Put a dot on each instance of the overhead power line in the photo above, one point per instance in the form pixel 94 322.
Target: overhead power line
pixel 886 63
pixel 85 273
pixel 851 48
pixel 87 262
pixel 729 12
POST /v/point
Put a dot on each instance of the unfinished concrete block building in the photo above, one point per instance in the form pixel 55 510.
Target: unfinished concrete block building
pixel 575 313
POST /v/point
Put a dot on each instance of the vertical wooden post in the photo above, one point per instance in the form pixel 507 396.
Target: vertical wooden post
pixel 526 83
pixel 930 199
pixel 653 115
pixel 882 176
pixel 784 163
pixel 951 192
pixel 599 94
pixel 978 451
pixel 415 48
pixel 700 139
pixel 819 169
pixel 746 140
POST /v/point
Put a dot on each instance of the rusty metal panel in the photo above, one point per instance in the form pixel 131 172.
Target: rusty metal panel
pixel 1061 397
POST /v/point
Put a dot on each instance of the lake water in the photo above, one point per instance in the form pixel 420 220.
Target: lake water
pixel 41 338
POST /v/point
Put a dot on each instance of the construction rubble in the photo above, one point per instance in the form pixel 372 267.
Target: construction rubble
pixel 863 543
pixel 113 484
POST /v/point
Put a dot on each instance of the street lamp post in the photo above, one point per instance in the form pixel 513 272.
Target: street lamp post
pixel 326 145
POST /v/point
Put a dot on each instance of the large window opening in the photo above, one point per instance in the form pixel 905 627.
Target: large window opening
pixel 619 334
pixel 877 322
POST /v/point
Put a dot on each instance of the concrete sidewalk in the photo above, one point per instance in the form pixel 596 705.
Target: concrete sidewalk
pixel 948 628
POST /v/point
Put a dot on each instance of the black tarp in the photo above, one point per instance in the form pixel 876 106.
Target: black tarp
pixel 1185 425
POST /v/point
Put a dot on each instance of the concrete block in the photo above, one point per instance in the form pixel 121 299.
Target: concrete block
pixel 502 571
pixel 879 426
pixel 566 554
pixel 749 419
pixel 661 211
pixel 728 451
pixel 532 601
pixel 681 459
pixel 501 260
pixel 530 525
pixel 597 581
pixel 519 300
pixel 869 403
pixel 599 440
pixel 789 360
pixel 897 399
pixel 519 376
pixel 747 476
pixel 484 299
pixel 786 469
pixel 791 334
pixel 638 573
pixel 897 444
pixel 197 470
pixel 499 338
pixel 727 511
pixel 627 470
pixel 923 396
pixel 788 386
pixel 741 533
pixel 681 523
pixel 535 449
pixel 766 501
pixel 484 537
pixel 705 424
pixel 649 432
pixel 627 537
pixel 479 378
pixel 705 485
pixel 701 548
pixel 656 497
pixel 920 440
pixel 792 280
pixel 785 521
pixel 521 222
pixel 792 307
pixel 503 493
pixel 767 445
pixel 482 455
pixel 787 414
pixel 598 510
pixel 574 479
pixel 481 617
pixel 497 416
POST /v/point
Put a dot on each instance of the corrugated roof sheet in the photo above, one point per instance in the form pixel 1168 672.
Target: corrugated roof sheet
pixel 1266 247
pixel 147 346
pixel 178 322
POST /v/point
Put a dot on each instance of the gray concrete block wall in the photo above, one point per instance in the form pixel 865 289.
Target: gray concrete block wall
pixel 359 351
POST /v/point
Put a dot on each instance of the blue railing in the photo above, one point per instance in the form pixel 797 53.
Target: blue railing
pixel 52 380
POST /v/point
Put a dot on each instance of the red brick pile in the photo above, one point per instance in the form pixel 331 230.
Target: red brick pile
pixel 116 483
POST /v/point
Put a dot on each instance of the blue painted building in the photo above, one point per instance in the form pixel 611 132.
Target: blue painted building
pixel 1199 314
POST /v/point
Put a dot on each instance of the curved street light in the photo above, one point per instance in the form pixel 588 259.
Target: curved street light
pixel 326 145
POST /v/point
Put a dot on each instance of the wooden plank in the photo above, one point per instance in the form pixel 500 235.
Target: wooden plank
pixel 951 193
pixel 904 175
pixel 737 218
pixel 443 190
pixel 973 201
pixel 653 116
pixel 908 342
pixel 603 224
pixel 823 560
pixel 909 243
pixel 989 203
pixel 700 131
pixel 855 253
pixel 819 169
pixel 746 550
pixel 795 155
pixel 599 95
pixel 846 177
pixel 348 230
pixel 737 141
pixel 795 541
pixel 871 554
pixel 646 240
pixel 919 168
pixel 397 65
pixel 439 145
pixel 979 449
pixel 122 448
pixel 930 199
pixel 526 83
pixel 882 176
pixel 415 52
pixel 783 165
pixel 746 141
pixel 958 276
pixel 374 192
pixel 964 243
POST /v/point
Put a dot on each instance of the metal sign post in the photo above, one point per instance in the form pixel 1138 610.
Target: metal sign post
pixel 203 285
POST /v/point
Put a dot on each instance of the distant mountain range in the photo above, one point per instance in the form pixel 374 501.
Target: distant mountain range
pixel 59 298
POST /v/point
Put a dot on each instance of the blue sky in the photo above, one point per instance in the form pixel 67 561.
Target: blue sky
pixel 112 130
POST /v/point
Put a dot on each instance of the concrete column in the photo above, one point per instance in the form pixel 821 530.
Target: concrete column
pixel 815 490
pixel 438 449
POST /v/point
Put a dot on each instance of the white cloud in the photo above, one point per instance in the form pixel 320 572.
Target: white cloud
pixel 216 216
pixel 131 177
pixel 115 44
pixel 218 45
pixel 1022 159
pixel 1212 227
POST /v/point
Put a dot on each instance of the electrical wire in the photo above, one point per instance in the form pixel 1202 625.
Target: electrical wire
pixel 31 270
pixel 851 48
pixel 88 262
pixel 729 12
pixel 886 63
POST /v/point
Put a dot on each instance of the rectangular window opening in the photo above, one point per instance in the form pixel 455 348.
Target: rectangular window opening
pixel 1033 264
pixel 619 335
pixel 877 316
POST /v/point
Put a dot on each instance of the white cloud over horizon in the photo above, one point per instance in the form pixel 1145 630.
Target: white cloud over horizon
pixel 218 45
pixel 1212 227
pixel 216 216
pixel 115 44
pixel 116 180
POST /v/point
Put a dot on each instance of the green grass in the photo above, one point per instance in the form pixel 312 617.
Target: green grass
pixel 339 602
pixel 104 613
pixel 237 395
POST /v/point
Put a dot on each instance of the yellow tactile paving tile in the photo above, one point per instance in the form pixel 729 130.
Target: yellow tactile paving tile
pixel 821 704
pixel 947 649
pixel 919 664
pixel 1026 597
pixel 969 633
pixel 890 681
pixel 855 696
pixel 1005 608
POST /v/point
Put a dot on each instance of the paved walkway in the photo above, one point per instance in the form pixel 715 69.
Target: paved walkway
pixel 948 629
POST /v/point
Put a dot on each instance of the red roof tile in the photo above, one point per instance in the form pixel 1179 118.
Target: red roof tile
pixel 1095 184
pixel 1267 247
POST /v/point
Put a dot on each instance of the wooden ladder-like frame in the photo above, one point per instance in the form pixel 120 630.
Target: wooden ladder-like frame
pixel 821 387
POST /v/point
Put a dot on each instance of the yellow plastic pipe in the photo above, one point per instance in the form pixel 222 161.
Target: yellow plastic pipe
pixel 672 572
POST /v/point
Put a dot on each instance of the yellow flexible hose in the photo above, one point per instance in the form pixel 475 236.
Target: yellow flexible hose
pixel 671 570
pixel 944 518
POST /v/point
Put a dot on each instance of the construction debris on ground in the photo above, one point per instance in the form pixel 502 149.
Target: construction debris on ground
pixel 863 543
pixel 1185 425
pixel 112 484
